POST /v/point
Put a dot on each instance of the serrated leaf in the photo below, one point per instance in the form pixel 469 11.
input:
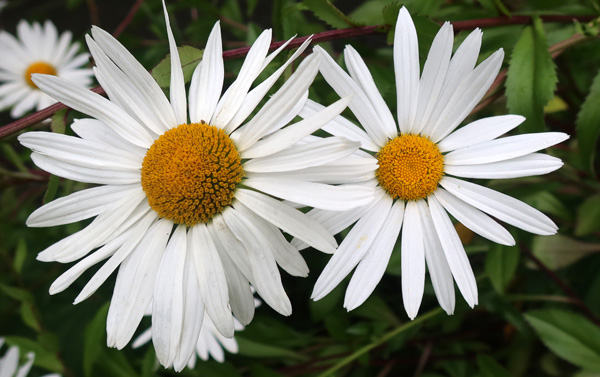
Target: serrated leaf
pixel 531 78
pixel 488 367
pixel 94 340
pixel 588 216
pixel 588 127
pixel 327 12
pixel 559 251
pixel 189 56
pixel 390 13
pixel 569 335
pixel 500 265
pixel 254 349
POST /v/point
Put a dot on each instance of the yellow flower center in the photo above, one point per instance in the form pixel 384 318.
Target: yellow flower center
pixel 38 67
pixel 190 173
pixel 410 167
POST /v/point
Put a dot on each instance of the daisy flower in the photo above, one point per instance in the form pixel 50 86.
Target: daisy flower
pixel 188 209
pixel 38 49
pixel 9 363
pixel 417 162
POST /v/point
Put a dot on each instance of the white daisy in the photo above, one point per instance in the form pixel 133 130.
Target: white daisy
pixel 9 363
pixel 187 208
pixel 414 160
pixel 38 49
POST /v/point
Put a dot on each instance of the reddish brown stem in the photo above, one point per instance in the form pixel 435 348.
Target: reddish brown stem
pixel 127 20
pixel 515 20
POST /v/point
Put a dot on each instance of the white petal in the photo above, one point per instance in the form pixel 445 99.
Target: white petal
pixel 79 205
pixel 479 131
pixel 80 152
pixel 193 310
pixel 360 105
pixel 441 276
pixel 79 244
pixel 257 94
pixel 136 234
pixel 267 279
pixel 413 259
pixel 503 207
pixel 95 130
pixel 177 86
pixel 232 246
pixel 303 156
pixel 241 298
pixel 318 195
pixel 286 256
pixel 83 174
pixel 474 219
pixel 406 69
pixel 65 280
pixel 134 287
pixel 207 81
pixel 232 99
pixel 454 251
pixel 467 96
pixel 139 76
pixel 167 307
pixel 211 279
pixel 279 105
pixel 360 73
pixel 504 148
pixel 340 126
pixel 10 362
pixel 524 166
pixel 288 219
pixel 95 106
pixel 372 267
pixel 434 73
pixel 353 248
pixel 288 136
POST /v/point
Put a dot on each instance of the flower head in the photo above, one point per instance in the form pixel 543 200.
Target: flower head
pixel 188 205
pixel 38 49
pixel 414 160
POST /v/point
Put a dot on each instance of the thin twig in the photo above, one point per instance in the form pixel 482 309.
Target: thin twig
pixel 561 284
pixel 515 20
pixel 127 20
pixel 423 359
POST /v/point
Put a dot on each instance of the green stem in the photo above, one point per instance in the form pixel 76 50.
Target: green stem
pixel 386 337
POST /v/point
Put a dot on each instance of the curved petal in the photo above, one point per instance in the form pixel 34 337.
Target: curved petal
pixel 413 258
pixel 524 166
pixel 407 70
pixel 177 85
pixel 372 267
pixel 481 130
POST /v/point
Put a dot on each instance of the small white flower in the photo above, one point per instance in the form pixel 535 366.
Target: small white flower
pixel 9 363
pixel 38 49
pixel 188 209
pixel 412 164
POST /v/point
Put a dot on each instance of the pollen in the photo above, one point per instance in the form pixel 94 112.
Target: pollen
pixel 190 173
pixel 38 67
pixel 410 167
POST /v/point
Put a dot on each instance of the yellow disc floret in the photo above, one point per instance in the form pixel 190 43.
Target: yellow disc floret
pixel 38 67
pixel 190 173
pixel 410 167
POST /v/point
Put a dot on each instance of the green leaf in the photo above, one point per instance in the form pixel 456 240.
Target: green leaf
pixel 588 127
pixel 488 367
pixel 588 216
pixel 43 357
pixel 149 363
pixel 94 340
pixel 500 265
pixel 559 251
pixel 189 56
pixel 28 316
pixel 254 349
pixel 327 12
pixel 569 335
pixel 531 78
pixel 20 255
pixel 58 123
pixel 17 293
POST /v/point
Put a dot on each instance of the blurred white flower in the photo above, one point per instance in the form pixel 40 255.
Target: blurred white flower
pixel 9 363
pixel 38 49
